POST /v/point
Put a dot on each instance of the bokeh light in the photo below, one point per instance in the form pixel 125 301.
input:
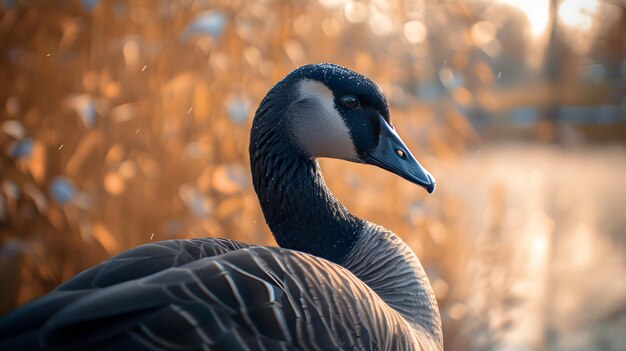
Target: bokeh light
pixel 123 123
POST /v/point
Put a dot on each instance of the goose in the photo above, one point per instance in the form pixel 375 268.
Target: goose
pixel 337 282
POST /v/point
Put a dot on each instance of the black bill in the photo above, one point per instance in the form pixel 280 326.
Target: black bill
pixel 393 155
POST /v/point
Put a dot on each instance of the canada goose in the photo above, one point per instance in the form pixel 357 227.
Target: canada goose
pixel 337 282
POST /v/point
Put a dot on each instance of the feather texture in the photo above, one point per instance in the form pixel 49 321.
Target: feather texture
pixel 256 298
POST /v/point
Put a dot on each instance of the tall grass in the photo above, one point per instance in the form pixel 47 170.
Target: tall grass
pixel 128 122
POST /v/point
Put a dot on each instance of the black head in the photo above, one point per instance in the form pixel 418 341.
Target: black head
pixel 338 113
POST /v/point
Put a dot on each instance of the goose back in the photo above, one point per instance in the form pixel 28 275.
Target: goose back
pixel 251 299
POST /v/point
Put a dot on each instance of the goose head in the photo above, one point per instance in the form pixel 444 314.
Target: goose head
pixel 337 113
pixel 321 110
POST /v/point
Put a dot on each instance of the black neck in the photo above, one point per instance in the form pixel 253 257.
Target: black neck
pixel 298 207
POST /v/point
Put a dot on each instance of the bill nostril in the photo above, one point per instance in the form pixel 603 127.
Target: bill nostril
pixel 401 154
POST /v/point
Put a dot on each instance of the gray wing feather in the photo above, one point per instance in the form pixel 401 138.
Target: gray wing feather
pixel 147 259
pixel 257 298
pixel 20 327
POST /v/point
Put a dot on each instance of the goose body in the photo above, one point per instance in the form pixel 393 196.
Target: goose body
pixel 337 282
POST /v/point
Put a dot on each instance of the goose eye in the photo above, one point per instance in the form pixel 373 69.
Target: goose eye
pixel 350 101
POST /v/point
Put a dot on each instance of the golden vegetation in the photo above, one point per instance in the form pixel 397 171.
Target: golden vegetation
pixel 128 122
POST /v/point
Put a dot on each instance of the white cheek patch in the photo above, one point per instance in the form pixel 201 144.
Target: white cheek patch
pixel 318 127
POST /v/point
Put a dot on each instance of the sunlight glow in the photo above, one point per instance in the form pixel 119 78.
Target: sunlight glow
pixel 579 14
pixel 539 247
pixel 355 12
pixel 332 3
pixel 415 32
pixel 536 11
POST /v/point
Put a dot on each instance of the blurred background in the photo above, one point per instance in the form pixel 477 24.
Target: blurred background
pixel 125 122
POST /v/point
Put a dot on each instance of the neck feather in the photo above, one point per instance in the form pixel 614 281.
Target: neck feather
pixel 298 207
pixel 389 267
